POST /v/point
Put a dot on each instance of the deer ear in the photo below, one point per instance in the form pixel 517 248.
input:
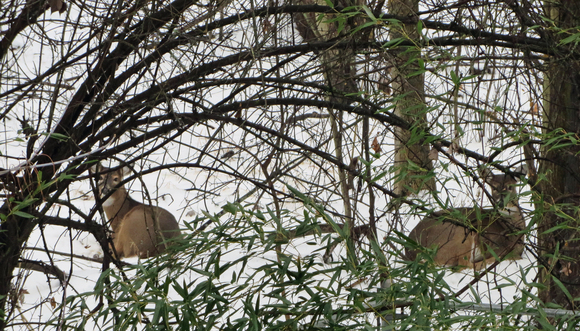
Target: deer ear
pixel 489 178
pixel 125 170
pixel 522 168
pixel 95 168
pixel 485 174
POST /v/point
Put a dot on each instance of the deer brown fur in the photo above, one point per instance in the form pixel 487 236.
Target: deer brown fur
pixel 465 237
pixel 138 229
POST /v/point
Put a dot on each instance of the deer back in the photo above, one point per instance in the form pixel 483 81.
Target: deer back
pixel 466 236
pixel 138 229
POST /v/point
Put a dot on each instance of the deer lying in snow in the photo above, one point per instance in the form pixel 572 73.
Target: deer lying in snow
pixel 484 229
pixel 138 229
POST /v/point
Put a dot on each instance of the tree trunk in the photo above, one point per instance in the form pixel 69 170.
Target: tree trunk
pixel 559 250
pixel 408 90
pixel 339 69
pixel 14 231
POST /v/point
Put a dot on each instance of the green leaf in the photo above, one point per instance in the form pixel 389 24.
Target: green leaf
pixel 562 288
pixel 420 27
pixel 393 42
pixel 369 13
pixel 57 136
pixel 570 39
pixel 379 176
pixel 230 208
pixel 22 214
pixel 455 79
pixel 469 77
pixel 363 26
pixel 64 176
pixel 417 73
pixel 562 226
pixel 298 194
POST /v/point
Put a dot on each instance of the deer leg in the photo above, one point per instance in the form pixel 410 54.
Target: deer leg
pixel 476 253
pixel 117 249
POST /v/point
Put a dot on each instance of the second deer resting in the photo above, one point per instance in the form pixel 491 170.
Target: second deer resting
pixel 484 230
pixel 138 229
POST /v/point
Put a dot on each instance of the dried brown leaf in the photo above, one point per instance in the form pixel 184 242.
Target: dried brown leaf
pixel 376 146
pixel 57 6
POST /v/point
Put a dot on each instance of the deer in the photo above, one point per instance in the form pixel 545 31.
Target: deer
pixel 138 229
pixel 466 237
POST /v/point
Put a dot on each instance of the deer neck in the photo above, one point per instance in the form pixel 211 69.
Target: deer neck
pixel 117 206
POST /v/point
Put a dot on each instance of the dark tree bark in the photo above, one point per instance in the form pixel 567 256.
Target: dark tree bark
pixel 559 250
pixel 408 87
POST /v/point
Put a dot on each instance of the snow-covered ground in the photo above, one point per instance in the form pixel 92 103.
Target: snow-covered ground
pixel 177 190
pixel 38 304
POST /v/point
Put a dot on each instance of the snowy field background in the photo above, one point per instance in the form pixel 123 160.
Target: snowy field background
pixel 178 191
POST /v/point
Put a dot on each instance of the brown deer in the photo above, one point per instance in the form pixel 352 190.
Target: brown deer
pixel 138 229
pixel 466 236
